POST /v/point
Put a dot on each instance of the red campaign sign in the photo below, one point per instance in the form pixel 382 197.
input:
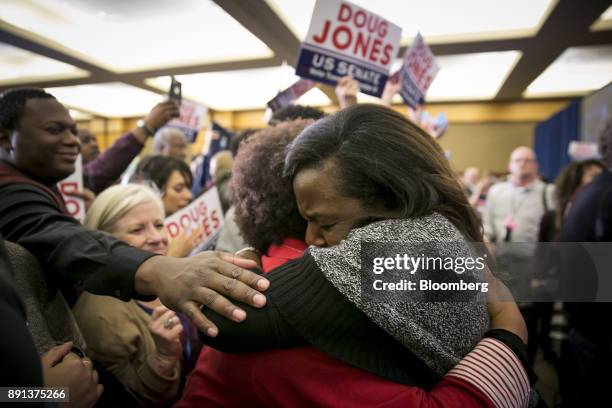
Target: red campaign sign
pixel 205 212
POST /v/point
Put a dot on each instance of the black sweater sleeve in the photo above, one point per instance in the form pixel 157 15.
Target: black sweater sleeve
pixel 264 329
pixel 94 261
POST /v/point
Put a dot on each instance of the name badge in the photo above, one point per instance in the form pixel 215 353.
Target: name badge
pixel 510 223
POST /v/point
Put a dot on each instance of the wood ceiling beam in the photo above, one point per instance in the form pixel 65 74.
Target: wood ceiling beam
pixel 567 24
pixel 260 19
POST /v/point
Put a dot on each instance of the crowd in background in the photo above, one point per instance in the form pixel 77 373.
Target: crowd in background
pixel 113 305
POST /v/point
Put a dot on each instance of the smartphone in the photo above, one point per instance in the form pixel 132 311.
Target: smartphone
pixel 175 92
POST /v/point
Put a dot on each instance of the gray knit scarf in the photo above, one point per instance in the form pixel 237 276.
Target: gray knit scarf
pixel 439 333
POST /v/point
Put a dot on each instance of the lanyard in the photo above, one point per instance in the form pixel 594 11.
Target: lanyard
pixel 524 193
pixel 510 221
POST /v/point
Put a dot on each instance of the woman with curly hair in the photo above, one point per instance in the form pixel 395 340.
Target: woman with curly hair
pixel 263 199
pixel 270 220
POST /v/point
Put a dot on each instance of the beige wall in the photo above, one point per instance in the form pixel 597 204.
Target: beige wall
pixel 480 134
pixel 485 145
pixel 109 130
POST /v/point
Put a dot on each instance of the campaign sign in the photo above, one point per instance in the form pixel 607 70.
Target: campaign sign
pixel 71 184
pixel 345 39
pixel 205 211
pixel 191 119
pixel 291 94
pixel 418 72
pixel 436 126
pixel 579 151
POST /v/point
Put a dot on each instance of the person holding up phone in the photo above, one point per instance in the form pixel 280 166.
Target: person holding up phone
pixel 106 168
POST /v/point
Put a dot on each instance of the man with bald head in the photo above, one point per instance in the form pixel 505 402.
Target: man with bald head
pixel 523 166
pixel 511 222
pixel 169 141
pixel 515 207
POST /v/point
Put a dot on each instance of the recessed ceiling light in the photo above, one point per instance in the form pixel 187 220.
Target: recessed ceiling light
pixel 604 22
pixel 133 35
pixel 111 100
pixel 20 66
pixel 476 76
pixel 240 89
pixel 78 115
pixel 576 72
pixel 438 18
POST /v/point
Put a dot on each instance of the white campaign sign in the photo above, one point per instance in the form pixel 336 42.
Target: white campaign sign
pixel 191 119
pixel 205 211
pixel 71 184
pixel 579 151
pixel 345 39
pixel 418 72
pixel 345 28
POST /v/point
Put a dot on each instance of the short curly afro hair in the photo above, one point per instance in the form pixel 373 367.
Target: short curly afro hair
pixel 295 112
pixel 266 211
pixel 12 103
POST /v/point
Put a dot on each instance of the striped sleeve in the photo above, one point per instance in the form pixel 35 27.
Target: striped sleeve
pixel 497 372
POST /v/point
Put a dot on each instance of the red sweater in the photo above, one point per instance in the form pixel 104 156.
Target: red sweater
pixel 489 376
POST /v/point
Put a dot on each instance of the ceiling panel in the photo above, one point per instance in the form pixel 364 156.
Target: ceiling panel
pixel 125 36
pixel 78 115
pixel 143 38
pixel 476 76
pixel 604 22
pixel 112 100
pixel 577 71
pixel 20 66
pixel 437 20
pixel 240 89
pixel 471 76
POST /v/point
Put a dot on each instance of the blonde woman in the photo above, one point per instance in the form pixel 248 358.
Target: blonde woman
pixel 139 342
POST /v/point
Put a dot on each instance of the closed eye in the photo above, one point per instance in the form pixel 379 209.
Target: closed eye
pixel 136 229
pixel 327 227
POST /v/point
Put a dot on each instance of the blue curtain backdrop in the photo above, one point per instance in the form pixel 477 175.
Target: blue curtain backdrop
pixel 552 138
